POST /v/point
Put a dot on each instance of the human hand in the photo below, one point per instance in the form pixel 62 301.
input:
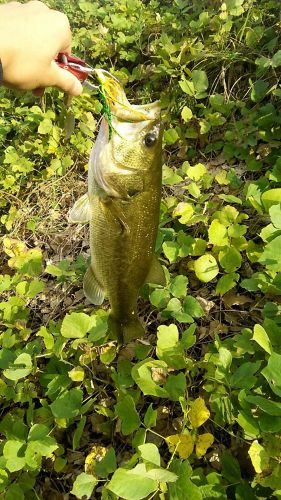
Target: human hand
pixel 31 36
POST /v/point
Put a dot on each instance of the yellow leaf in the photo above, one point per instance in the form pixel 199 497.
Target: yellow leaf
pixel 182 443
pixel 13 247
pixel 199 413
pixel 96 454
pixel 203 442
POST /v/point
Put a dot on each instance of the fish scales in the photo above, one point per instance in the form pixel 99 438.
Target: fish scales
pixel 122 258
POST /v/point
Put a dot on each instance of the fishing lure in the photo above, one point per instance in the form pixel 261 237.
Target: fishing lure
pixel 105 108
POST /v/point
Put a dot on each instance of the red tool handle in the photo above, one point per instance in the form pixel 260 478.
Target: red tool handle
pixel 74 65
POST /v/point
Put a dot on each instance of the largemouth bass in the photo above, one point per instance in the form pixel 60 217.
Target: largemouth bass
pixel 122 207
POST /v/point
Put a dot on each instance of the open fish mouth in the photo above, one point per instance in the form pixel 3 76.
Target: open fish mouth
pixel 118 103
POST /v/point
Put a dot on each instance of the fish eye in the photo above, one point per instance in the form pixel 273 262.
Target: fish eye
pixel 150 139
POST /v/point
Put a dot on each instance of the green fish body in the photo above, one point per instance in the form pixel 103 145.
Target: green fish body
pixel 122 206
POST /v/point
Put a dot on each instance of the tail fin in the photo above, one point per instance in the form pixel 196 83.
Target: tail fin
pixel 126 330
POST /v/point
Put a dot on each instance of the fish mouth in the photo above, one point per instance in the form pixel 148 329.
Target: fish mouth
pixel 118 103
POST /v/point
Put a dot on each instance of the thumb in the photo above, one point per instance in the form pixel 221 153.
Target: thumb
pixel 59 77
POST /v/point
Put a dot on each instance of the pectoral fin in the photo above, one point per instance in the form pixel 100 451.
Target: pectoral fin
pixel 81 211
pixel 156 274
pixel 117 213
pixel 92 288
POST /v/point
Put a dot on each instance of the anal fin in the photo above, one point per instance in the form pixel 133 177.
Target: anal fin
pixel 156 274
pixel 81 211
pixel 92 288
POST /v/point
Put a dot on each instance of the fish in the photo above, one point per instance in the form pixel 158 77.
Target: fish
pixel 122 207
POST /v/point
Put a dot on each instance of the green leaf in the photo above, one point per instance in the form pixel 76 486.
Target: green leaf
pixel 275 215
pixel 178 286
pixel 21 367
pixel 249 424
pixel 185 211
pixel 272 373
pixel 243 377
pixel 107 464
pixel 267 405
pixel 268 423
pixel 198 247
pixel 77 374
pixel 188 338
pixel 261 337
pixel 200 82
pixel 171 136
pixel 45 126
pixel 144 374
pixel 83 485
pixel 276 59
pixel 192 307
pixel 98 328
pixel 230 468
pixel 149 452
pixel 230 259
pixel 271 256
pixel 259 90
pixel 224 363
pixel 263 62
pixel 78 433
pixel 271 197
pixel 226 283
pixel 187 86
pixel 4 480
pixel 196 172
pixel 168 347
pixel 14 453
pixel 170 177
pixel 259 457
pixel 218 234
pixel 35 287
pixel 162 475
pixel 47 337
pixel 171 250
pixel 183 488
pixel 132 484
pixel 75 325
pixel 186 114
pixel 230 198
pixel 41 442
pixel 125 409
pixel 68 404
pixel 14 492
pixel 206 268
pixel 108 354
pixel 176 386
pixel 235 7
pixel 159 298
pixel 150 417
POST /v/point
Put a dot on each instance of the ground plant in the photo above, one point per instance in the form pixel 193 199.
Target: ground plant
pixel 192 410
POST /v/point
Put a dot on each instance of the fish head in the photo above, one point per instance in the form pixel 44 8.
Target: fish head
pixel 135 142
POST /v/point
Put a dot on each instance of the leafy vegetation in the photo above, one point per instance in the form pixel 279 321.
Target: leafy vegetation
pixel 194 409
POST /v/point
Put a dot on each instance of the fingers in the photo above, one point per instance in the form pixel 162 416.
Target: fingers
pixel 64 80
